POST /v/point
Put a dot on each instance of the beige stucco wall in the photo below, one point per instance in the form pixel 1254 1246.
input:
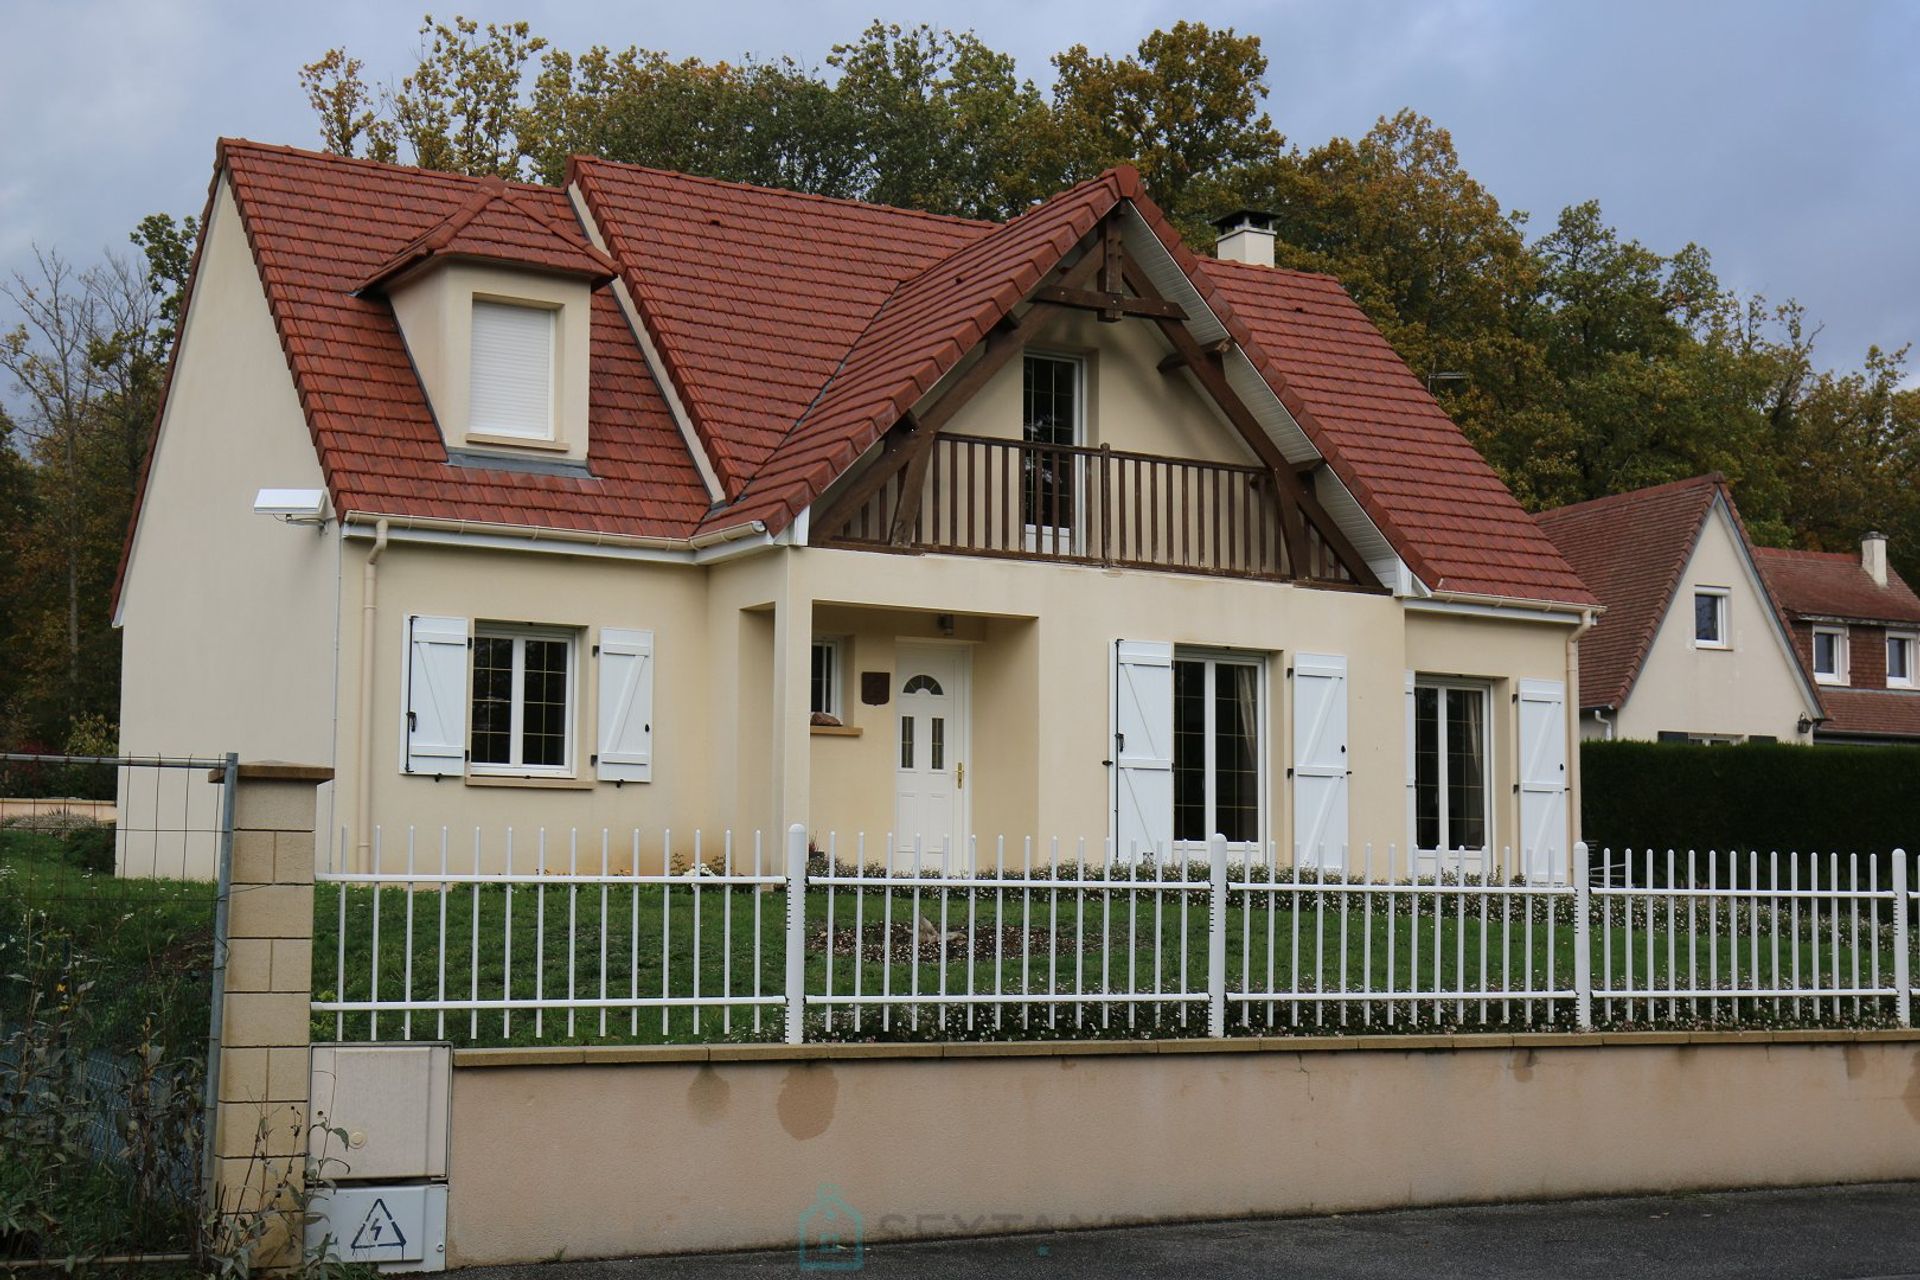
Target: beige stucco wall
pixel 1130 405
pixel 1750 688
pixel 733 748
pixel 574 592
pixel 601 1160
pixel 228 617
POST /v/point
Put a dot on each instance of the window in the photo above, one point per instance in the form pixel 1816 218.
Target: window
pixel 522 701
pixel 1830 655
pixel 1216 747
pixel 1450 766
pixel 1900 662
pixel 1050 416
pixel 511 384
pixel 1710 618
pixel 826 688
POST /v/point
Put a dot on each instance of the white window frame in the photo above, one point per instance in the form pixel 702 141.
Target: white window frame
pixel 515 766
pixel 1048 538
pixel 836 647
pixel 1842 662
pixel 1722 597
pixel 1908 639
pixel 1442 685
pixel 495 431
pixel 1262 746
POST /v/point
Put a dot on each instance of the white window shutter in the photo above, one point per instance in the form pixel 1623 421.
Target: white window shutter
pixel 433 728
pixel 626 706
pixel 1413 778
pixel 1142 746
pixel 1320 760
pixel 511 381
pixel 1543 780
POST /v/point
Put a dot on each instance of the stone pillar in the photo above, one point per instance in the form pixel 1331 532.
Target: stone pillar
pixel 261 1114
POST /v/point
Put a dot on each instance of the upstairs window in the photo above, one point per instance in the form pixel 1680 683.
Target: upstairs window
pixel 1710 618
pixel 511 391
pixel 1051 418
pixel 1830 655
pixel 1900 662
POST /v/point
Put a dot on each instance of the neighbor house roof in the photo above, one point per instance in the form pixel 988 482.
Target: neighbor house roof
pixel 1631 550
pixel 1834 584
pixel 794 330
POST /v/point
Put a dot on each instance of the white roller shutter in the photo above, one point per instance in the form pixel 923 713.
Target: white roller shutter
pixel 433 727
pixel 1320 759
pixel 511 386
pixel 1143 746
pixel 626 706
pixel 1543 780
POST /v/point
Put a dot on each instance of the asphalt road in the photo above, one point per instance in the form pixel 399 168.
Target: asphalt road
pixel 1855 1232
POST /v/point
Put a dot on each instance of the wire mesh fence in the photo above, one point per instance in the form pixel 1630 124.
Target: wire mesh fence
pixel 108 919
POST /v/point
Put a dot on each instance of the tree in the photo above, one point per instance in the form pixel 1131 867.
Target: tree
pixel 1184 109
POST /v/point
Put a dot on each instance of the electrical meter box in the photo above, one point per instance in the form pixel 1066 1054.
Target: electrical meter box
pixel 395 1226
pixel 393 1102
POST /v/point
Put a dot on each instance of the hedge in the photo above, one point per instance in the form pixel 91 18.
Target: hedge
pixel 1763 796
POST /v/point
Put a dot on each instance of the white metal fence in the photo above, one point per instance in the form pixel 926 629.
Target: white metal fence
pixel 529 938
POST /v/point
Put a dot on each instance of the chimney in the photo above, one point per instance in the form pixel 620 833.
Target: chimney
pixel 1873 557
pixel 1246 235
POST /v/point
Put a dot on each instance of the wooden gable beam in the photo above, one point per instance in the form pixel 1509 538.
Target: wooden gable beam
pixel 1297 501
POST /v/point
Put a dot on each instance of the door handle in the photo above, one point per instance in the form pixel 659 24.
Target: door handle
pixel 960 775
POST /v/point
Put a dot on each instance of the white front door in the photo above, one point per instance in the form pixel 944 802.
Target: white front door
pixel 930 751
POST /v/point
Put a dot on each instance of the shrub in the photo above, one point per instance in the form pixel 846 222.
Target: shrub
pixel 90 847
pixel 1763 796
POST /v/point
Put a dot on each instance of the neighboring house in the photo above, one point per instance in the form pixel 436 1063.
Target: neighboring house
pixel 1855 628
pixel 654 502
pixel 1691 647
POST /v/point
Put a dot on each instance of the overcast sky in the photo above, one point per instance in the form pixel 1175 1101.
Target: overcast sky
pixel 1781 136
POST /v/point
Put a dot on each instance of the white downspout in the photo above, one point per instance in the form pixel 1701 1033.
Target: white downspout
pixel 1573 724
pixel 363 786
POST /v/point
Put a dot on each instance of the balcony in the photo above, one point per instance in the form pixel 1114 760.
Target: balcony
pixel 1015 499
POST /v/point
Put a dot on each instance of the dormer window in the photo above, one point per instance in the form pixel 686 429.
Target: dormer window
pixel 512 371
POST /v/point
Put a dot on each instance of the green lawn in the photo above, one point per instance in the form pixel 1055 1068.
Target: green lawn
pixel 1079 944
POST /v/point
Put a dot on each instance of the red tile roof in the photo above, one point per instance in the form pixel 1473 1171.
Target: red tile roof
pixel 1833 584
pixel 500 223
pixel 1871 713
pixel 1631 549
pixel 795 329
pixel 1449 515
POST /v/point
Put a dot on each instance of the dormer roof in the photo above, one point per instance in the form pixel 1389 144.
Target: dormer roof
pixel 499 224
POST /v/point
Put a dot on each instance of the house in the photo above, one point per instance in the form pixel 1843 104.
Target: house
pixel 652 503
pixel 1692 646
pixel 1855 623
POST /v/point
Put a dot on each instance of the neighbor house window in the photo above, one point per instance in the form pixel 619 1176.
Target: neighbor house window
pixel 826 686
pixel 523 700
pixel 1450 765
pixel 1710 618
pixel 1216 747
pixel 1830 655
pixel 1051 415
pixel 511 383
pixel 1900 662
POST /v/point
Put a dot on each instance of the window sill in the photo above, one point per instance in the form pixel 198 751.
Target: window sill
pixel 483 439
pixel 534 781
pixel 835 730
pixel 1831 682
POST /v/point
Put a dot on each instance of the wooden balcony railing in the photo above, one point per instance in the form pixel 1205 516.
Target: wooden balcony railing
pixel 1013 498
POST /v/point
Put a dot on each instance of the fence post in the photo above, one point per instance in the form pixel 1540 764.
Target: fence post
pixel 1903 987
pixel 262 1112
pixel 1217 935
pixel 796 933
pixel 1582 938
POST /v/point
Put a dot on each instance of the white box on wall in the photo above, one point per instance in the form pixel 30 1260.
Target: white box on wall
pixel 392 1100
